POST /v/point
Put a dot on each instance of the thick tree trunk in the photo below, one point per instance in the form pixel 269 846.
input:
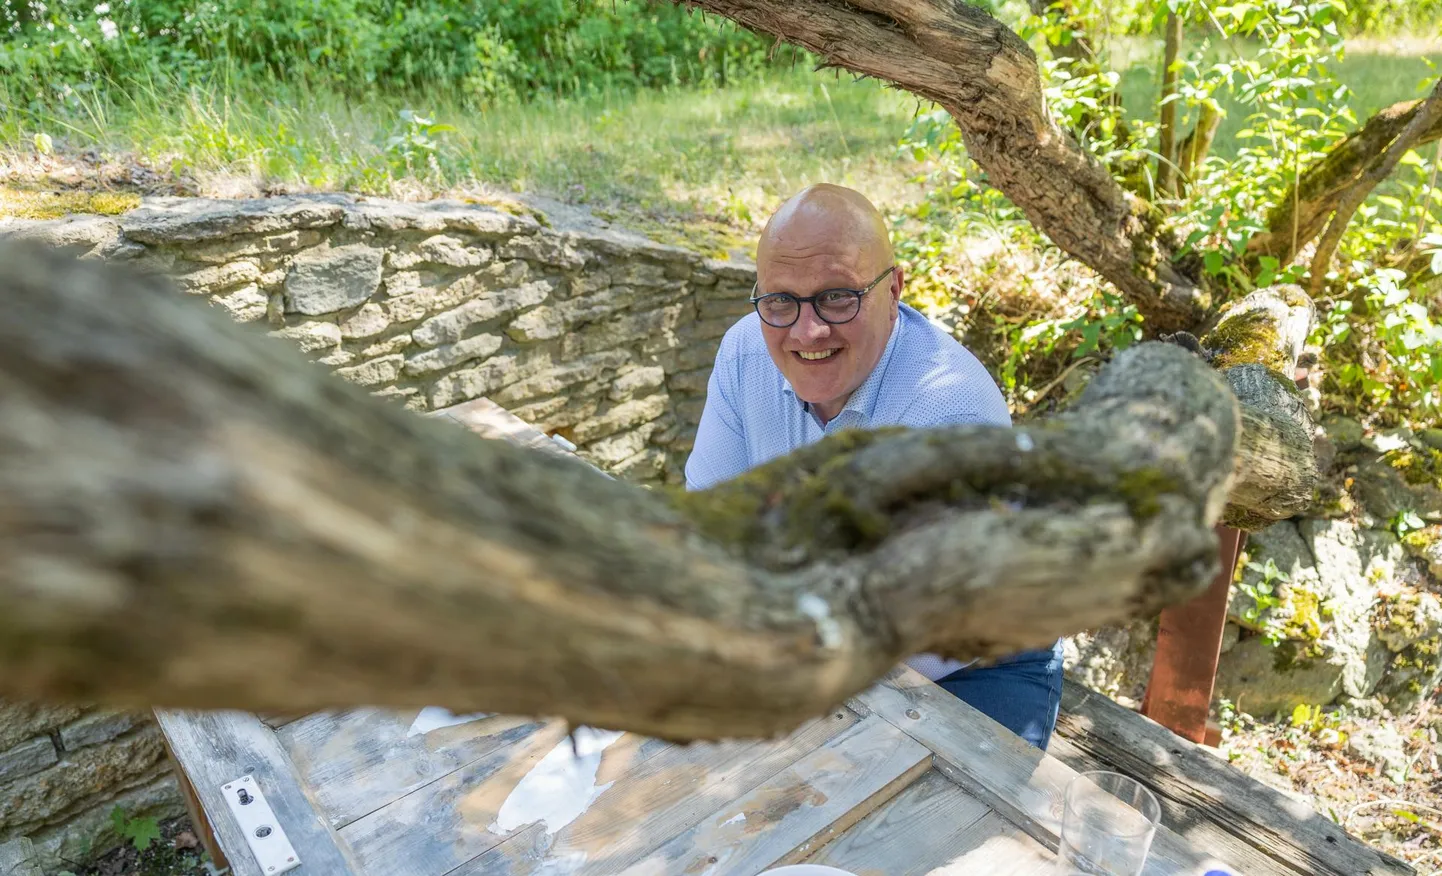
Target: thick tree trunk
pixel 192 515
pixel 986 77
pixel 1300 217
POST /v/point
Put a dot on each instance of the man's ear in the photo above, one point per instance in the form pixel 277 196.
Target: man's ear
pixel 896 283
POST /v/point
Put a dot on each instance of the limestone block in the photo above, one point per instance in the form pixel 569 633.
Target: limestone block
pixel 89 772
pixel 1115 660
pixel 612 451
pixel 547 247
pixel 638 273
pixel 188 220
pixel 246 304
pixel 689 381
pixel 451 326
pixel 1386 492
pixel 562 377
pixel 447 355
pixel 27 758
pixel 735 270
pixel 622 330
pixel 367 322
pixel 216 278
pixel 631 381
pixel 332 278
pixel 623 416
pixel 489 376
pixel 21 721
pixel 540 324
pixel 441 249
pixel 1263 680
pixel 311 336
pixel 376 371
pixel 95 728
pixel 17 858
pixel 387 346
pixel 643 467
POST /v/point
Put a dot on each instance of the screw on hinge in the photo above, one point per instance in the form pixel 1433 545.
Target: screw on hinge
pixel 245 798
pixel 263 831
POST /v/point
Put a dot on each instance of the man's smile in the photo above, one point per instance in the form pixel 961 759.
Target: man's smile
pixel 816 355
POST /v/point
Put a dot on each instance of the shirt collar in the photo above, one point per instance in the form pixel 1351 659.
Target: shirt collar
pixel 862 403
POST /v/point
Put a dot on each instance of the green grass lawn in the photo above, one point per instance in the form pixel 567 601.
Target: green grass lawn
pixel 713 161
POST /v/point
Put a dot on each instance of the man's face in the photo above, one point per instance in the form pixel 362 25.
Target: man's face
pixel 825 363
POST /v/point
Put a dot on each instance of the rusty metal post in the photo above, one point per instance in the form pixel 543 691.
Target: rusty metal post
pixel 1189 645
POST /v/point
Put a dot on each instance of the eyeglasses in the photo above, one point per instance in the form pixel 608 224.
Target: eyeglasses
pixel 834 306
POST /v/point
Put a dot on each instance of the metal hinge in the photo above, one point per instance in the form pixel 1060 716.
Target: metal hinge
pixel 259 826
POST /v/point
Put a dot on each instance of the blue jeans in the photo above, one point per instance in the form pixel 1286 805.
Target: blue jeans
pixel 1021 692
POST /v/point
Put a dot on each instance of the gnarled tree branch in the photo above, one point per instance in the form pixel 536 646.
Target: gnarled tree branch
pixel 1298 218
pixel 176 488
pixel 986 77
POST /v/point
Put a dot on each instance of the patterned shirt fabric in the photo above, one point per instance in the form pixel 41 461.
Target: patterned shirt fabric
pixel 923 379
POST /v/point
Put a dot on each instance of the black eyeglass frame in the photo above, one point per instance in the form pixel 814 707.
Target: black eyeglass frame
pixel 811 299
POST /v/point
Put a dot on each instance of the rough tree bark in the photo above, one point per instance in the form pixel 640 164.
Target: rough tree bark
pixel 192 515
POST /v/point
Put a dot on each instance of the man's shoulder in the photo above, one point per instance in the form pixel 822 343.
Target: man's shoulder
pixel 946 382
pixel 743 338
pixel 931 349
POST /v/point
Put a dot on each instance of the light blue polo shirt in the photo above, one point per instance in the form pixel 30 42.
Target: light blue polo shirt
pixel 923 379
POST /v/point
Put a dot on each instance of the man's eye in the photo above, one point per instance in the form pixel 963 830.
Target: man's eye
pixel 834 299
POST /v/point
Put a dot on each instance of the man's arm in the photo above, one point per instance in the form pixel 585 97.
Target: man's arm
pixel 719 453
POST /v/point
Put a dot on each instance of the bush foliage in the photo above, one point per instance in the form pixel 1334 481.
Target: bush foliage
pixel 492 49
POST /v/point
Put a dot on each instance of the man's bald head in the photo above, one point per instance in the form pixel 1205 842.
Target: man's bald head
pixel 826 216
pixel 827 240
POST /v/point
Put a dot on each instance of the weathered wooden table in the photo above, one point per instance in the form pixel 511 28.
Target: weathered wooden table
pixel 903 779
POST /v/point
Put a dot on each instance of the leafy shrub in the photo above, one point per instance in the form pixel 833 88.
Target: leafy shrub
pixel 491 49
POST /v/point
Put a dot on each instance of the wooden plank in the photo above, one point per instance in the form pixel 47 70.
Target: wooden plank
pixel 450 820
pixel 1194 826
pixel 799 809
pixel 665 796
pixel 1198 829
pixel 489 420
pixel 218 747
pixel 996 847
pixel 1015 778
pixel 202 827
pixel 1280 826
pixel 360 760
pixel 1189 646
pixel 922 828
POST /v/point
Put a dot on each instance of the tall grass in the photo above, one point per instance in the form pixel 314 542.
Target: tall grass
pixel 725 154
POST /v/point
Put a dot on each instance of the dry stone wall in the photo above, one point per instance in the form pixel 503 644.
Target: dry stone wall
pixel 598 335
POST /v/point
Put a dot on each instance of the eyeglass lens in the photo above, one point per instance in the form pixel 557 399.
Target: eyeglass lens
pixel 782 310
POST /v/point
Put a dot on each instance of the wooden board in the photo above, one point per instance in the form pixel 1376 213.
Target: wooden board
pixel 1280 826
pixel 923 827
pixel 360 760
pixel 1016 779
pixel 666 796
pixel 1181 820
pixel 996 846
pixel 219 747
pixel 798 810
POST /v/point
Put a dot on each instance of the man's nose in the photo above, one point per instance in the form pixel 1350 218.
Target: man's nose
pixel 809 328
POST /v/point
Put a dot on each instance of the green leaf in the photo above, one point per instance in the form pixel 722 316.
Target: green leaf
pixel 1213 261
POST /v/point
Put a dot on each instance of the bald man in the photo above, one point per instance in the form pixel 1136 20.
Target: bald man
pixel 830 346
